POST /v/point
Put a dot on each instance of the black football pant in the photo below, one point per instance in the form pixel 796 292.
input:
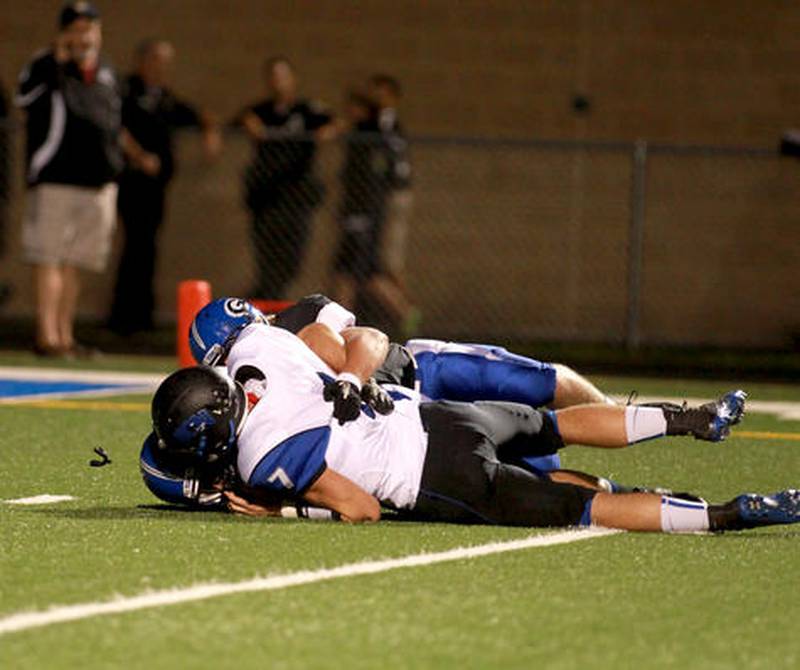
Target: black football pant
pixel 465 478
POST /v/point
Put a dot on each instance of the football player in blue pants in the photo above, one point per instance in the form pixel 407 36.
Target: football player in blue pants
pixel 435 461
pixel 216 330
pixel 439 370
pixel 445 370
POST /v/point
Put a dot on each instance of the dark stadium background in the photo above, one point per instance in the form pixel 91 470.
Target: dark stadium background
pixel 594 180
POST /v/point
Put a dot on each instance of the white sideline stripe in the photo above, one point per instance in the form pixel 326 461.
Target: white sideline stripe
pixel 44 499
pixel 60 614
pixel 60 375
pixel 76 395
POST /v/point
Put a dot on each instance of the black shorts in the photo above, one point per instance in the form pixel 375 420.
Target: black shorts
pixel 467 479
pixel 398 367
pixel 358 254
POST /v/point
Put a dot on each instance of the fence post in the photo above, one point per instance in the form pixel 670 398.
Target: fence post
pixel 636 242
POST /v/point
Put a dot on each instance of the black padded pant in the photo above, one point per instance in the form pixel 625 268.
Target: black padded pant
pixel 464 480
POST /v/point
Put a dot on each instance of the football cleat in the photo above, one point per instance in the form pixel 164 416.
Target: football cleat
pixel 711 422
pixel 780 508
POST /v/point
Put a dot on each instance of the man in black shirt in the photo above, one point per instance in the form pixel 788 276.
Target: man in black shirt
pixel 5 155
pixel 386 91
pixel 367 180
pixel 150 113
pixel 74 154
pixel 281 189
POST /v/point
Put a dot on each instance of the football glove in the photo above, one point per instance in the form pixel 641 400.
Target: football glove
pixel 346 400
pixel 377 398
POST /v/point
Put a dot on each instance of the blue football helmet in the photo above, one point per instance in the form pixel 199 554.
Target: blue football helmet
pixel 216 326
pixel 175 482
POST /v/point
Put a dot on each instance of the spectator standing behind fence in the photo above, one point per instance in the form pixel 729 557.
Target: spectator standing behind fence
pixel 5 290
pixel 366 182
pixel 281 189
pixel 72 102
pixel 150 113
pixel 386 91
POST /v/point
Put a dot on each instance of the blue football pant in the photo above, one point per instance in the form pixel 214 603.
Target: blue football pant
pixel 470 372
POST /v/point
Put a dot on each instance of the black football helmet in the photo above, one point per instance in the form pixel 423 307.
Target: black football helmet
pixel 197 413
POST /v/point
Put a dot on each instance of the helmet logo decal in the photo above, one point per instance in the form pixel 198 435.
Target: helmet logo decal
pixel 236 307
pixel 192 430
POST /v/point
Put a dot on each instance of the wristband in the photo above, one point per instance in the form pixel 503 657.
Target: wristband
pixel 351 378
pixel 302 512
pixel 317 513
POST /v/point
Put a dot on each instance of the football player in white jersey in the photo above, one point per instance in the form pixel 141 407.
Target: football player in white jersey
pixel 357 352
pixel 439 461
pixel 439 370
pixel 442 370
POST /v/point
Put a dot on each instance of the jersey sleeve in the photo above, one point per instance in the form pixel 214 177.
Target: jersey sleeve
pixel 294 464
pixel 37 78
pixel 315 308
pixel 173 487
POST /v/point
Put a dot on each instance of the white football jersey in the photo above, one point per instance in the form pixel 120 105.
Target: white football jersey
pixel 290 435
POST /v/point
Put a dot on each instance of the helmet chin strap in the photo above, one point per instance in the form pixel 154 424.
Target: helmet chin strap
pixel 246 412
pixel 214 355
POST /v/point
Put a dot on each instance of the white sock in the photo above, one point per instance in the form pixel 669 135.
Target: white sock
pixel 644 423
pixel 683 516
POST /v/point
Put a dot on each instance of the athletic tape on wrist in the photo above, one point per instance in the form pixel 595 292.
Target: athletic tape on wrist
pixel 350 377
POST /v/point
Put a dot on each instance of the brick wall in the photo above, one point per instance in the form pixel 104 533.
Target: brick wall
pixel 537 235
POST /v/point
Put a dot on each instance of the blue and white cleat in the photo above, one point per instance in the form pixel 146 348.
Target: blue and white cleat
pixel 728 411
pixel 780 508
pixel 711 422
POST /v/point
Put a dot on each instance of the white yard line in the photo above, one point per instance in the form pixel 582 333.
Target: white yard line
pixel 60 614
pixel 44 499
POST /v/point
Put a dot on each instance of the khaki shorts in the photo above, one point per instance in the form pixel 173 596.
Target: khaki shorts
pixel 395 234
pixel 69 225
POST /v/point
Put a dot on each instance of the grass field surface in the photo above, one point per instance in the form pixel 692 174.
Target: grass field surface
pixel 624 600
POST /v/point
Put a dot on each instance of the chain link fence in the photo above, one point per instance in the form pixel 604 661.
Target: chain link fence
pixel 506 240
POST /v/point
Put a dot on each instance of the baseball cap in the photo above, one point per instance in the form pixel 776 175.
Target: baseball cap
pixel 73 11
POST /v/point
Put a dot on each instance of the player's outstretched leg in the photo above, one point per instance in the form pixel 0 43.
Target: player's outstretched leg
pixel 652 512
pixel 612 426
pixel 469 372
pixel 574 389
pixel 711 421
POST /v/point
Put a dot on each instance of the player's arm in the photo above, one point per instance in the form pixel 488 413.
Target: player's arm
pixel 358 351
pixel 343 496
pixel 314 308
pixel 254 127
pixel 331 496
pixel 354 354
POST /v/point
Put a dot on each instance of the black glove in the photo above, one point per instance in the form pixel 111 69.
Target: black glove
pixel 377 398
pixel 346 400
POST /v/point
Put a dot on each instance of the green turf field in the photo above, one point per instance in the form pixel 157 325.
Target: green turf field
pixel 624 601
